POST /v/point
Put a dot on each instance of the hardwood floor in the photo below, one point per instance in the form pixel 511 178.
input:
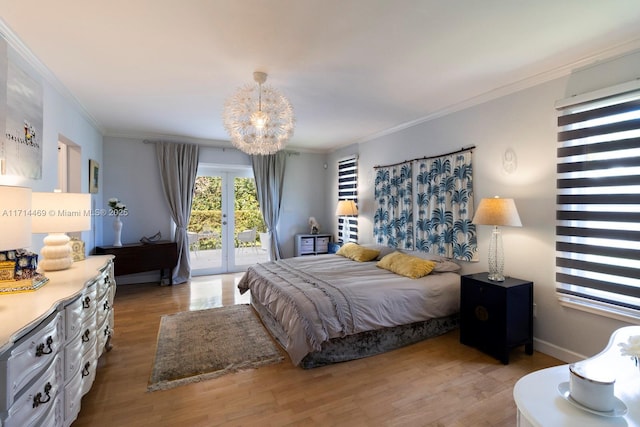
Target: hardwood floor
pixel 438 382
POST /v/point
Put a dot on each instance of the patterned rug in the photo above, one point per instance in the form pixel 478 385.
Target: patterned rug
pixel 200 345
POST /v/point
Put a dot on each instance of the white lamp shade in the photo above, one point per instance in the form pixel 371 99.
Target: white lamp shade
pixel 60 212
pixel 15 226
pixel 346 208
pixel 497 211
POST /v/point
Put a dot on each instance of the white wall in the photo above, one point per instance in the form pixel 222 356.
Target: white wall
pixel 62 119
pixel 526 123
pixel 131 175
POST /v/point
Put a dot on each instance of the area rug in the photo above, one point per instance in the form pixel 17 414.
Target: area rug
pixel 200 345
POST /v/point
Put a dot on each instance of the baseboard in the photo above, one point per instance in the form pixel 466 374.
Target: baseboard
pixel 557 352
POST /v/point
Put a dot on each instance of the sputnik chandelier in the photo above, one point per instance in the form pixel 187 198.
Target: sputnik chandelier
pixel 259 119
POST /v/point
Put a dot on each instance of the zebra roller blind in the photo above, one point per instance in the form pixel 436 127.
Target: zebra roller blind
pixel 598 204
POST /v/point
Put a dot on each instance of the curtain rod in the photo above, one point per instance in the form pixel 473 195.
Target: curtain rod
pixel 462 150
pixel 148 141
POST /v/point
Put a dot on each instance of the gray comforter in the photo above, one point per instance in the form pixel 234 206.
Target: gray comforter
pixel 328 296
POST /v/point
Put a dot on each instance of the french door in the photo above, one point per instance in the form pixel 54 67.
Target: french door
pixel 225 222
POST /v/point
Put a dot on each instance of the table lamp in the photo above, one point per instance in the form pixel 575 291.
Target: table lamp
pixel 346 208
pixel 58 213
pixel 15 227
pixel 496 212
pixel 17 264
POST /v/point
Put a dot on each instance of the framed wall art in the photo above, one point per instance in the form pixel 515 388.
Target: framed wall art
pixel 94 176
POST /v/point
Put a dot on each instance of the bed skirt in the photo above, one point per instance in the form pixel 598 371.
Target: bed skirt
pixel 363 344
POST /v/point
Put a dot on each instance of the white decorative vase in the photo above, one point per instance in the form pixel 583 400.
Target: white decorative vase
pixel 117 228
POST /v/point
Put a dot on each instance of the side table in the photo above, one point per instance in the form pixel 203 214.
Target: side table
pixel 496 316
pixel 141 257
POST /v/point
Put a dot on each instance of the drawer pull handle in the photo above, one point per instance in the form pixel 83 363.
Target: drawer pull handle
pixel 85 370
pixel 85 336
pixel 37 399
pixel 85 302
pixel 40 350
pixel 107 332
pixel 106 306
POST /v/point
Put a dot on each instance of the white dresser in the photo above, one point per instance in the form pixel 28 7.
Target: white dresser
pixel 50 342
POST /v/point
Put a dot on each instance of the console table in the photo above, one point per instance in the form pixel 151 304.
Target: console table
pixel 140 257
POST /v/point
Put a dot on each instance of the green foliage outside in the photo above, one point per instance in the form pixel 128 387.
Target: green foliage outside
pixel 206 210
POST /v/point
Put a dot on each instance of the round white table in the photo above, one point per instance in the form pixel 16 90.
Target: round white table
pixel 540 403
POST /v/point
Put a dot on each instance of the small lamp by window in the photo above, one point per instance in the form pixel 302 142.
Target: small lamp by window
pixel 346 208
pixel 497 212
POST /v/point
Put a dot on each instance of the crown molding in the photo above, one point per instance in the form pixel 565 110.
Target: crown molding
pixel 45 73
pixel 544 77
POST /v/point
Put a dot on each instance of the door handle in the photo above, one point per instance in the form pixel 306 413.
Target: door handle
pixel 224 222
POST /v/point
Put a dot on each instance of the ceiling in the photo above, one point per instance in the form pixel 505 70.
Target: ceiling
pixel 352 69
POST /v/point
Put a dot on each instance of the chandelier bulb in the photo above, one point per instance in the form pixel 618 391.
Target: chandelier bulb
pixel 259 119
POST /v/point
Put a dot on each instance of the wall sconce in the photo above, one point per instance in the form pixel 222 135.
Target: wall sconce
pixel 58 213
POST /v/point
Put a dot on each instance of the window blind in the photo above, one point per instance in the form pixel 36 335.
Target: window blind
pixel 598 204
pixel 348 190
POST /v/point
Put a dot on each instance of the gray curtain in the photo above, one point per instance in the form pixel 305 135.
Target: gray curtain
pixel 269 175
pixel 178 164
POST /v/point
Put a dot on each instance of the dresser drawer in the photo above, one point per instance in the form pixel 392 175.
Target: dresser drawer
pixel 37 399
pixel 104 308
pixel 104 333
pixel 73 356
pixel 31 354
pixel 79 310
pixel 73 395
pixel 88 369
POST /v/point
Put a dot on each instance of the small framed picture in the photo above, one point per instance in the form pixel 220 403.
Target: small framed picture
pixel 94 176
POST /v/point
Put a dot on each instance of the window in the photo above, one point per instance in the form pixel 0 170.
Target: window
pixel 598 203
pixel 348 190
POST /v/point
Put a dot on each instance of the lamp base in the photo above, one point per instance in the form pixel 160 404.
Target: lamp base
pixel 56 253
pixel 495 277
pixel 496 257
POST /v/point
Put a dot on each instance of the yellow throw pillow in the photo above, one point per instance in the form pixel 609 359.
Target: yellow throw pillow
pixel 358 253
pixel 406 265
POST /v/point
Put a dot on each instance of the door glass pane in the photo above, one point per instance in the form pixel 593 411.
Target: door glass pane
pixel 205 226
pixel 249 237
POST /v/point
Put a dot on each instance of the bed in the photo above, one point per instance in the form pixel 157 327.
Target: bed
pixel 328 308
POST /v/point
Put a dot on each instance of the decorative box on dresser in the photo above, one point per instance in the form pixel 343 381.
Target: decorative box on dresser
pixel 496 316
pixel 50 342
pixel 312 244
